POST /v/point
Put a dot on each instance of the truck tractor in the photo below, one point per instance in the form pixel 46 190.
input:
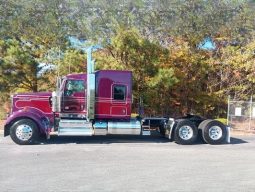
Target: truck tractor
pixel 98 103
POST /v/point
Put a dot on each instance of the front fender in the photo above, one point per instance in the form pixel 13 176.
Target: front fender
pixel 37 116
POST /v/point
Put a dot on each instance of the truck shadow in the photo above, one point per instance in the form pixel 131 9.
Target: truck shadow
pixel 109 139
pixel 235 141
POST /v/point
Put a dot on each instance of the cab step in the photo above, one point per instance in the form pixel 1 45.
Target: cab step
pixel 146 130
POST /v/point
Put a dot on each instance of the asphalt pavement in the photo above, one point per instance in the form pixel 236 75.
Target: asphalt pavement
pixel 127 163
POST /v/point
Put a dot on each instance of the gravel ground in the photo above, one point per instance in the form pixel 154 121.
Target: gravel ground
pixel 127 163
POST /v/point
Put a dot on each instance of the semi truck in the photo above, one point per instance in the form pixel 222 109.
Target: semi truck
pixel 98 103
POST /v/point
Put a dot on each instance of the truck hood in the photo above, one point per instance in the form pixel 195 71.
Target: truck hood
pixel 36 101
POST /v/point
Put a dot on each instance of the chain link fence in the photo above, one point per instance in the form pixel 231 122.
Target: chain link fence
pixel 241 115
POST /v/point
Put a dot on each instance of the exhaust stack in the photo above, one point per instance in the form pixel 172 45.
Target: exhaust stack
pixel 91 84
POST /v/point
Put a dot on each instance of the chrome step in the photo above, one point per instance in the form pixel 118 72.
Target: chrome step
pixel 146 132
pixel 75 128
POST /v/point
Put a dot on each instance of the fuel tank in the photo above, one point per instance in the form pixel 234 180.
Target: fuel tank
pixel 132 127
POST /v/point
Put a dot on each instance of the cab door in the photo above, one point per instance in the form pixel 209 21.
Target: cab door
pixel 73 100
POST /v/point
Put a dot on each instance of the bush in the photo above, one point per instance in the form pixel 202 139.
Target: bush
pixel 3 114
pixel 223 120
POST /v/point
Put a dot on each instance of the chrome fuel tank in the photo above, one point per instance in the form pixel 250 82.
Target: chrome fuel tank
pixel 132 127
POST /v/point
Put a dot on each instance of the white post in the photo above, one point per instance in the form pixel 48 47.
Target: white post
pixel 250 114
pixel 228 126
pixel 228 110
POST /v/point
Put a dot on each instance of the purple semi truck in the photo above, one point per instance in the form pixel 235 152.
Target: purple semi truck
pixel 98 103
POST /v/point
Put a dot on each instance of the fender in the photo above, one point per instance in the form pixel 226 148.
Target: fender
pixel 36 115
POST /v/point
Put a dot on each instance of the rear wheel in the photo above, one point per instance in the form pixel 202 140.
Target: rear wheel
pixel 24 132
pixel 185 132
pixel 213 132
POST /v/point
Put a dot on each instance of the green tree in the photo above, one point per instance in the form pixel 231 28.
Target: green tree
pixel 73 61
pixel 130 51
pixel 136 35
pixel 234 71
pixel 18 68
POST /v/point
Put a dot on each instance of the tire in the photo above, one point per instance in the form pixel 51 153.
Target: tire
pixel 185 132
pixel 213 132
pixel 24 132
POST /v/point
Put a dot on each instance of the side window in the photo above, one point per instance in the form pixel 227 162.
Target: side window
pixel 74 87
pixel 119 92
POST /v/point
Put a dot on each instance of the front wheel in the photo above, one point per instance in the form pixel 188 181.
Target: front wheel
pixel 185 132
pixel 24 132
pixel 213 132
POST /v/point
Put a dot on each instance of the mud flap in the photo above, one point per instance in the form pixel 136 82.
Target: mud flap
pixel 228 134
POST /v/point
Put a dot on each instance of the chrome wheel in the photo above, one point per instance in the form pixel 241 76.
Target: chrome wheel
pixel 24 132
pixel 185 132
pixel 215 132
